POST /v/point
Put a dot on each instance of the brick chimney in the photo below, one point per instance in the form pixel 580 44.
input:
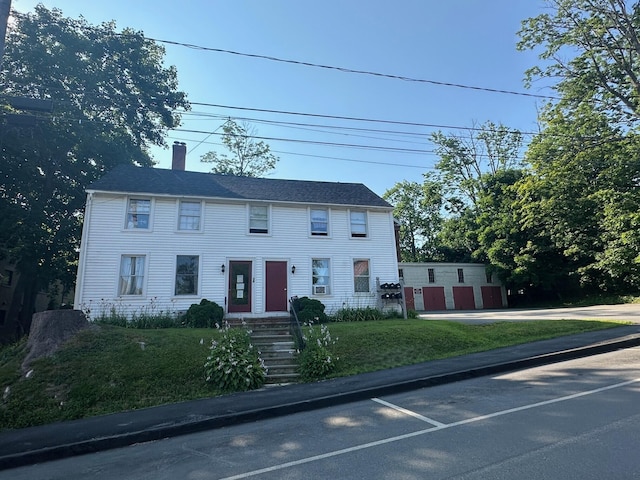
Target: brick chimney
pixel 179 156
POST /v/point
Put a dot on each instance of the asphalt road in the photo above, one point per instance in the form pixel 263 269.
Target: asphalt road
pixel 572 420
pixel 624 312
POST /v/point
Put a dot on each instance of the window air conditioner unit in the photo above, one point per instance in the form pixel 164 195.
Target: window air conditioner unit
pixel 319 289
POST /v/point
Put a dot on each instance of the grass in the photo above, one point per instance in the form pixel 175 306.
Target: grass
pixel 113 369
pixel 371 346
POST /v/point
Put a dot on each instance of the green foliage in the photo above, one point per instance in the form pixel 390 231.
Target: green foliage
pixel 352 314
pixel 118 315
pixel 233 364
pixel 309 310
pixel 417 209
pixel 113 99
pixel 205 314
pixel 318 359
pixel 591 49
pixel 249 158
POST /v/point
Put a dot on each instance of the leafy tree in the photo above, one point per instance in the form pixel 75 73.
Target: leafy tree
pixel 584 196
pixel 464 159
pixel 112 99
pixel 248 157
pixel 417 209
pixel 593 48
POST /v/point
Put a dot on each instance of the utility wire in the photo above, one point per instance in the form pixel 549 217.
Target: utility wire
pixel 351 70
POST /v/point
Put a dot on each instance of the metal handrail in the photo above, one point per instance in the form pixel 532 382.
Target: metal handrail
pixel 294 326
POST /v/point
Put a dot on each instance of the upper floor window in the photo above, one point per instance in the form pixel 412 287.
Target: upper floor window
pixel 258 219
pixel 361 276
pixel 489 277
pixel 358 221
pixel 189 215
pixel 131 275
pixel 187 275
pixel 460 275
pixel 319 221
pixel 431 273
pixel 138 213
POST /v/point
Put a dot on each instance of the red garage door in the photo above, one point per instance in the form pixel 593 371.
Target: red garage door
pixel 491 297
pixel 463 298
pixel 434 298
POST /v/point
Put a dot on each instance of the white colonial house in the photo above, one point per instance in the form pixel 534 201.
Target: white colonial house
pixel 451 286
pixel 168 238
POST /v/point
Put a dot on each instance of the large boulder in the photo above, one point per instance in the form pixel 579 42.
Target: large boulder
pixel 51 329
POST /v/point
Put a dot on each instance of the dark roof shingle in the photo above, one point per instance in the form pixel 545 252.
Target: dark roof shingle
pixel 131 179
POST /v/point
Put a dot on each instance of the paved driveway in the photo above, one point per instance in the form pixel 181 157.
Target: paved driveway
pixel 626 312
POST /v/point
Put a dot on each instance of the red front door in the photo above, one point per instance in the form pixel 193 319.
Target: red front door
pixel 240 286
pixel 276 286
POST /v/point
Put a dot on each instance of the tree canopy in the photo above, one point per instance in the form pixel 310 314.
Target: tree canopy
pixel 112 99
pixel 249 158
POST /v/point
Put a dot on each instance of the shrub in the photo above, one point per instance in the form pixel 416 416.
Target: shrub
pixel 234 365
pixel 309 310
pixel 203 315
pixel 317 360
pixel 366 314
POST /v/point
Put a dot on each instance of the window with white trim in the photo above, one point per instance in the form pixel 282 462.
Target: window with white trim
pixel 187 274
pixel 358 221
pixel 321 275
pixel 189 215
pixel 319 221
pixel 258 219
pixel 460 275
pixel 361 276
pixel 138 213
pixel 131 275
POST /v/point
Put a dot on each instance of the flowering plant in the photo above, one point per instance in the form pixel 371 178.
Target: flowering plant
pixel 317 360
pixel 233 363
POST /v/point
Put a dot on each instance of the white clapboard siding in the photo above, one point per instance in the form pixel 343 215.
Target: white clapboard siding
pixel 224 236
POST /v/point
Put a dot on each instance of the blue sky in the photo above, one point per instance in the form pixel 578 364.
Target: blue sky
pixel 468 42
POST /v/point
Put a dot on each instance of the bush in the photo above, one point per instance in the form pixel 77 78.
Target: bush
pixel 366 314
pixel 309 310
pixel 206 314
pixel 234 365
pixel 317 360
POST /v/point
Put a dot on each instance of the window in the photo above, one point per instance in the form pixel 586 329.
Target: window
pixel 431 273
pixel 258 219
pixel 321 275
pixel 7 278
pixel 361 276
pixel 358 224
pixel 460 275
pixel 320 222
pixel 138 212
pixel 400 273
pixel 187 275
pixel 489 277
pixel 131 275
pixel 189 216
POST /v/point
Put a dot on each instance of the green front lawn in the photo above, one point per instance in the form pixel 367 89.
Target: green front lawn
pixel 114 369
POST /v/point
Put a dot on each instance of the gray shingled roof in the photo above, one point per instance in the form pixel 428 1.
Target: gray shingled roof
pixel 131 179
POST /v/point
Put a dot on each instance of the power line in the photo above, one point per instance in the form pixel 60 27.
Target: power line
pixel 351 70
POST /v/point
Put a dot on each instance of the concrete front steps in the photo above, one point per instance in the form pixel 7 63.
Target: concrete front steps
pixel 272 338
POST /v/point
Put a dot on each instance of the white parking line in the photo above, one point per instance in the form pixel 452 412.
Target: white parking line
pixel 398 438
pixel 410 413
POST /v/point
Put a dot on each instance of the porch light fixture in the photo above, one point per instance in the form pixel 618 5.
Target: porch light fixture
pixel 293 269
pixel 222 268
